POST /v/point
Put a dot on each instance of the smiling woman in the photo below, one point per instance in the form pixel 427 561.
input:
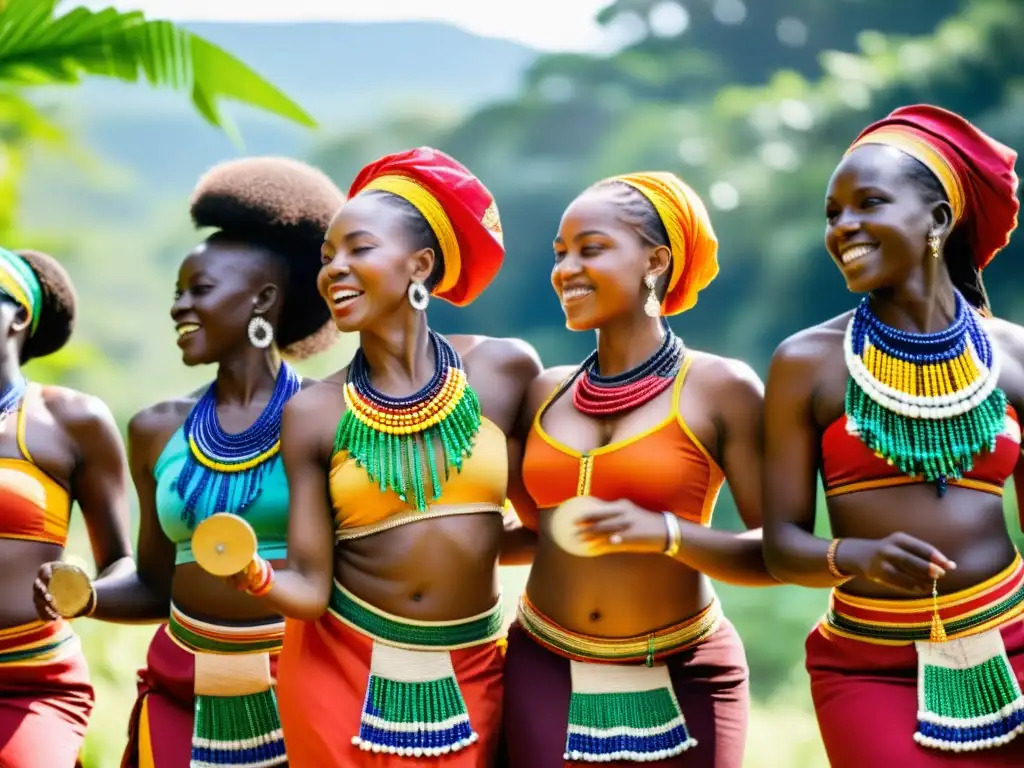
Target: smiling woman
pixel 909 407
pixel 244 297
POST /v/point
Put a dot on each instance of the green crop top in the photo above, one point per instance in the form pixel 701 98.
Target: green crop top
pixel 268 514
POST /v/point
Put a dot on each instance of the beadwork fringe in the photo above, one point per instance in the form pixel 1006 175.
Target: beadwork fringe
pixel 620 712
pixel 413 705
pixel 968 695
pixel 239 731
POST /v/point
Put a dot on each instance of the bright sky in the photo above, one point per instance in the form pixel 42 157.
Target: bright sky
pixel 546 24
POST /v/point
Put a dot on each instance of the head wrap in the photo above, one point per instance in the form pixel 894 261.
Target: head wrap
pixel 691 238
pixel 459 208
pixel 975 170
pixel 20 283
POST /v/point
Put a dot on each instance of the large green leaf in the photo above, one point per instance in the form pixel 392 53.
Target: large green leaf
pixel 38 47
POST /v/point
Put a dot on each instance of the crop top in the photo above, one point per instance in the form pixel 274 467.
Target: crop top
pixel 848 465
pixel 664 468
pixel 268 514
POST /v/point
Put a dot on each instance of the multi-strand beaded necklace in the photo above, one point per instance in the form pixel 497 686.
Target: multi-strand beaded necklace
pixel 393 437
pixel 11 396
pixel 597 395
pixel 926 402
pixel 232 466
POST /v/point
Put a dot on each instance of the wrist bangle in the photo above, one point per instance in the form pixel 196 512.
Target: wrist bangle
pixel 830 558
pixel 261 584
pixel 90 609
pixel 674 534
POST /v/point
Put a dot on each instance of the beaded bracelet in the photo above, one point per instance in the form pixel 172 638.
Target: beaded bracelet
pixel 675 534
pixel 830 557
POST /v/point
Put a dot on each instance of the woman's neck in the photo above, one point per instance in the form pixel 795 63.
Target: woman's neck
pixel 628 342
pixel 248 377
pixel 10 369
pixel 399 354
pixel 919 306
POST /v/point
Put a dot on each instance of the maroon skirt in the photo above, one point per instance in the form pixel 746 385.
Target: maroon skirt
pixel 710 682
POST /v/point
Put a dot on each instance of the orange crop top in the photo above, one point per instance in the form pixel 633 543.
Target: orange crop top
pixel 848 465
pixel 361 508
pixel 664 468
pixel 35 506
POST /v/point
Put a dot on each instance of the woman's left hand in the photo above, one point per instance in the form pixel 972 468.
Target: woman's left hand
pixel 622 526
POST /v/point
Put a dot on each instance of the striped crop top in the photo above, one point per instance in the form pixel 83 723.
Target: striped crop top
pixel 848 465
pixel 35 506
pixel 664 468
pixel 361 508
pixel 268 514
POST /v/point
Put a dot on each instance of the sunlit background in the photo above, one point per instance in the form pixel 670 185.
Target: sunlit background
pixel 751 102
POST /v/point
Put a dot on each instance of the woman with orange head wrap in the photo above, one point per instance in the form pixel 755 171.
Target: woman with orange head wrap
pixel 620 651
pixel 908 406
pixel 399 468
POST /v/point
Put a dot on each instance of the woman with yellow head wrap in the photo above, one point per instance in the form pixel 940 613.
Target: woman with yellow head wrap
pixel 620 652
pixel 57 447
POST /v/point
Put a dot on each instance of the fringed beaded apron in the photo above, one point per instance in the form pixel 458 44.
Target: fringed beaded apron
pixel 413 706
pixel 236 718
pixel 968 695
pixel 623 706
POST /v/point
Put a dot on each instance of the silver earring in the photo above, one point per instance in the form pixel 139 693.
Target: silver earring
pixel 419 296
pixel 652 307
pixel 261 333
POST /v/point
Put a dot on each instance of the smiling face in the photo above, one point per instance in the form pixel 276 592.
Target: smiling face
pixel 879 219
pixel 374 248
pixel 601 260
pixel 221 285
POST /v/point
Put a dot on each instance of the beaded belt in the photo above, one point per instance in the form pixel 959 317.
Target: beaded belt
pixel 236 721
pixel 647 648
pixel 968 694
pixel 37 643
pixel 413 705
pixel 413 516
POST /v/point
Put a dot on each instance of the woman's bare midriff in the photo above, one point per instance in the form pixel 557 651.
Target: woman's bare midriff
pixel 206 597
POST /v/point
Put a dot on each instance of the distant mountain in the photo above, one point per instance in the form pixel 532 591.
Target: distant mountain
pixel 346 74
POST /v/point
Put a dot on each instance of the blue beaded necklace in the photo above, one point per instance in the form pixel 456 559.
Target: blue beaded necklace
pixel 232 465
pixel 11 396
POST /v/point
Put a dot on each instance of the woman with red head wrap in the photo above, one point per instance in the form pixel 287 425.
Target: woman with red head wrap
pixel 621 651
pixel 909 408
pixel 399 468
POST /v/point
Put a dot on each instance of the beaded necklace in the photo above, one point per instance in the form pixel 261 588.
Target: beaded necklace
pixel 926 402
pixel 11 396
pixel 597 395
pixel 234 465
pixel 393 436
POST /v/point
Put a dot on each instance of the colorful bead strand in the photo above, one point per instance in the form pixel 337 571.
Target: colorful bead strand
pixel 927 403
pixel 393 437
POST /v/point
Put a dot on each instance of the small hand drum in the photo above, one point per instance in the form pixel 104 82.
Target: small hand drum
pixel 565 525
pixel 224 544
pixel 71 589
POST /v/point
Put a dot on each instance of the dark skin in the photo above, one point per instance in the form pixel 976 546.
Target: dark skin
pixel 72 437
pixel 221 285
pixel 895 541
pixel 435 569
pixel 600 264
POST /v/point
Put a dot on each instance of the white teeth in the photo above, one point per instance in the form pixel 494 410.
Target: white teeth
pixel 339 297
pixel 185 328
pixel 572 294
pixel 852 254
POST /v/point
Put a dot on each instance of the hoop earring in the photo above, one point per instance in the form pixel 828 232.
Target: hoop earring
pixel 933 246
pixel 652 307
pixel 418 295
pixel 261 333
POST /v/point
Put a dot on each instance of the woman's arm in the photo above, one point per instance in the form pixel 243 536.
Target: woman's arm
pixel 302 590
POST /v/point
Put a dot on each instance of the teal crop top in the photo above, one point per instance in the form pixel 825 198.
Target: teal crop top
pixel 268 514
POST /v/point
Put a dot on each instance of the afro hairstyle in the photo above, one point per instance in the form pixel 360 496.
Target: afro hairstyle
pixel 283 206
pixel 58 311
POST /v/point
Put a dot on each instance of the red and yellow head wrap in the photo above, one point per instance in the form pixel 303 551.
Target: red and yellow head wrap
pixel 459 209
pixel 691 238
pixel 975 170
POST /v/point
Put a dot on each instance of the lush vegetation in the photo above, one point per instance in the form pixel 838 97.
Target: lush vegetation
pixel 751 102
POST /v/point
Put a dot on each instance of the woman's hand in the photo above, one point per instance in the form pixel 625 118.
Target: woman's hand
pixel 45 606
pixel 609 527
pixel 256 579
pixel 898 561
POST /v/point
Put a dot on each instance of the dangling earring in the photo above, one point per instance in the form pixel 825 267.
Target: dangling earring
pixel 652 307
pixel 261 333
pixel 419 296
pixel 933 245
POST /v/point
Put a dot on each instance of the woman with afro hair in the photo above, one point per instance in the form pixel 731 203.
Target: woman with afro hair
pixel 57 447
pixel 245 297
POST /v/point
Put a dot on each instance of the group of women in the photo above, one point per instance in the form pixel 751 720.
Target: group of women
pixel 368 629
